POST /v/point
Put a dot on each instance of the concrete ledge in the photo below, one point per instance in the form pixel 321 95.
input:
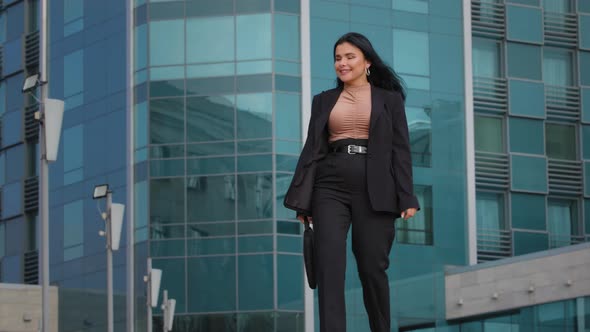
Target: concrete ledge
pixel 20 307
pixel 515 282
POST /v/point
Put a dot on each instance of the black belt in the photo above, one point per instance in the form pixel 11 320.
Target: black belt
pixel 351 149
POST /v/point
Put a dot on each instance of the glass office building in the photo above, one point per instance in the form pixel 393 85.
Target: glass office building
pixel 498 109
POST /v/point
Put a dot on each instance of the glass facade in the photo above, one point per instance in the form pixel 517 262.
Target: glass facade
pixel 218 114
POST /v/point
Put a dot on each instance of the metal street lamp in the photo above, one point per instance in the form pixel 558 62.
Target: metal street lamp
pixel 153 279
pixel 50 118
pixel 113 217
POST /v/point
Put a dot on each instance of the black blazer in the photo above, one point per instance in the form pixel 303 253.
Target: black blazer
pixel 389 164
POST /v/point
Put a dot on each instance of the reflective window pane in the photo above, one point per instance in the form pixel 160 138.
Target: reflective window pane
pixel 212 198
pixel 255 282
pixel 73 146
pixel 411 52
pixel 255 200
pixel 167 201
pixel 218 41
pixel 286 37
pixel 167 42
pixel 528 211
pixel 561 141
pixel 562 222
pixel 210 118
pixel 420 127
pixel 12 200
pixel 524 61
pixel 167 120
pixel 12 128
pixel 73 230
pixel 558 67
pixel 526 242
pixel 524 24
pixel 290 287
pixel 288 116
pixel 486 58
pixel 212 284
pixel 254 115
pixel 253 36
pixel 528 173
pixel 490 219
pixel 489 134
pixel 173 280
pixel 526 135
pixel 74 73
pixel 419 230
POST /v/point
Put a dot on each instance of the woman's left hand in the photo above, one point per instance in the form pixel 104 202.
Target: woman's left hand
pixel 409 213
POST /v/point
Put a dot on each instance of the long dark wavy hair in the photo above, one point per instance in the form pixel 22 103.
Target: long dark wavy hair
pixel 382 75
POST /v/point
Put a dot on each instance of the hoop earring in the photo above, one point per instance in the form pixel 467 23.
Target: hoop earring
pixel 368 71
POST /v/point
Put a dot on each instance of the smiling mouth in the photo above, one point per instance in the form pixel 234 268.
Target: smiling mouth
pixel 345 71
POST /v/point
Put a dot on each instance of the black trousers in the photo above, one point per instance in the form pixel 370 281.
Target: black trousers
pixel 340 200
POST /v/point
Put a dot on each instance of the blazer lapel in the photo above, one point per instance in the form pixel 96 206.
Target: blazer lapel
pixel 376 106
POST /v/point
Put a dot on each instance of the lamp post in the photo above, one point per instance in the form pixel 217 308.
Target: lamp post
pixel 168 308
pixel 50 118
pixel 113 217
pixel 153 279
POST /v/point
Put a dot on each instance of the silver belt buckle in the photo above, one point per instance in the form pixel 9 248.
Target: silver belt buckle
pixel 350 149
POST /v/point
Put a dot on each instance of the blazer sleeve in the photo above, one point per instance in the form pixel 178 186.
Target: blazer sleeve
pixel 401 157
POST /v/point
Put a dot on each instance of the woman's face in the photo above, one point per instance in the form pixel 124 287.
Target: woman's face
pixel 350 64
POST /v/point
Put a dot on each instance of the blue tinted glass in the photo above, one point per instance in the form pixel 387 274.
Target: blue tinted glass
pixel 486 58
pixel 167 167
pixel 173 280
pixel 528 211
pixel 141 125
pixel 290 287
pixel 584 31
pixel 2 240
pixel 525 242
pixel 214 246
pixel 330 10
pixel 73 230
pixel 141 202
pixel 255 200
pixel 587 212
pixel 558 67
pixel 489 134
pixel 73 148
pixel 255 163
pixel 218 41
pixel 584 6
pixel 167 201
pixel 252 6
pixel 411 52
pixel 254 67
pixel 2 98
pixel 524 61
pixel 167 248
pixel 254 115
pixel 251 244
pixel 12 200
pixel 141 52
pixel 212 284
pixel 255 282
pixel 490 213
pixel 526 135
pixel 372 15
pixel 12 128
pixel 253 36
pixel 15 26
pixel 73 9
pixel 14 95
pixel 526 98
pixel 288 6
pixel 13 56
pixel 73 73
pixel 212 198
pixel 446 64
pixel 528 173
pixel 167 42
pixel 322 57
pixel 210 118
pixel 526 2
pixel 584 59
pixel 15 157
pixel 2 28
pixel 416 6
pixel 286 37
pixel 2 169
pixel 561 142
pixel 586 138
pixel 167 120
pixel 288 116
pixel 211 165
pixel 420 127
pixel 524 24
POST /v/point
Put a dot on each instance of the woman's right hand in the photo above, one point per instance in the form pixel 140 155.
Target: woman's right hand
pixel 302 219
